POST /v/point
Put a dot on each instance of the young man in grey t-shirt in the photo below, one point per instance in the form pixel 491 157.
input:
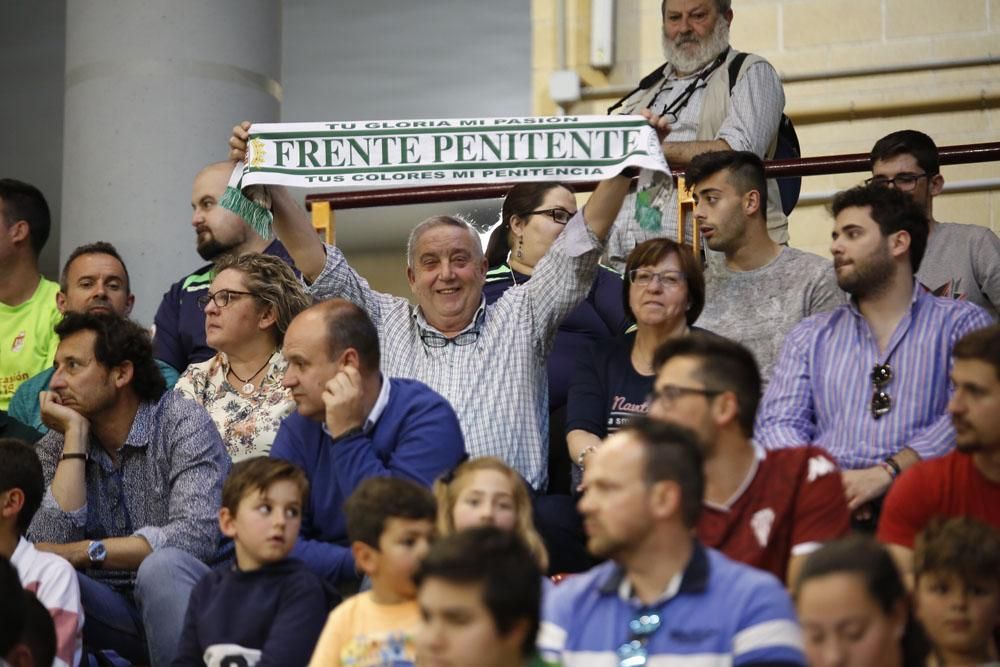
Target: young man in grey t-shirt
pixel 961 261
pixel 762 289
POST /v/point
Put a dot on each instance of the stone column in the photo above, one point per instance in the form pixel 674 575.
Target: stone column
pixel 153 88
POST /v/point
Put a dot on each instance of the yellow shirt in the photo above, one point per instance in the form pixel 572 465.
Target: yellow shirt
pixel 363 633
pixel 28 339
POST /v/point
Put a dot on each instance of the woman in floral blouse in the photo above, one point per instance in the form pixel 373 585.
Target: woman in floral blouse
pixel 250 304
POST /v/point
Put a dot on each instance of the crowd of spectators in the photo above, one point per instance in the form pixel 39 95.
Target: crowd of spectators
pixel 746 454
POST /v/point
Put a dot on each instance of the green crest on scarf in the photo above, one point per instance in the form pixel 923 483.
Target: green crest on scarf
pixel 649 217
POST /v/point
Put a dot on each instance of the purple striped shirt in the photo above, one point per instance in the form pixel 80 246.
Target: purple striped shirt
pixel 821 390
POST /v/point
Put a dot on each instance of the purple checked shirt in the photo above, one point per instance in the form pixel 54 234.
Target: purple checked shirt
pixel 821 390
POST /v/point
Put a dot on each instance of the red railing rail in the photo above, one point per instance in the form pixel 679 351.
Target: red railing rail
pixel 810 166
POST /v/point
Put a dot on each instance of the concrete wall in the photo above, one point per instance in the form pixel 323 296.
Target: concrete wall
pixel 348 59
pixel 33 71
pixel 810 37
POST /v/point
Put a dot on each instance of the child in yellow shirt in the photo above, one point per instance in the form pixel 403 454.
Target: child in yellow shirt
pixel 390 523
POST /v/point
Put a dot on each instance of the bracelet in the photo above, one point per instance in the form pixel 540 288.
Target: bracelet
pixel 892 463
pixel 885 465
pixel 586 450
pixel 73 455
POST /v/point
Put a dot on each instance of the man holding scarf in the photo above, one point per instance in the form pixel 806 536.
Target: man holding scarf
pixel 488 361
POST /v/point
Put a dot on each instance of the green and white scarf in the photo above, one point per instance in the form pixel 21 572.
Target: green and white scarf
pixel 360 155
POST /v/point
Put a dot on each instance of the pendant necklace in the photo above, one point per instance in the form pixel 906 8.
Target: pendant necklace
pixel 248 387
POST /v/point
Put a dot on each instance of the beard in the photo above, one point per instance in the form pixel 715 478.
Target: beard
pixel 728 234
pixel 210 248
pixel 603 548
pixel 969 447
pixel 707 48
pixel 967 440
pixel 871 274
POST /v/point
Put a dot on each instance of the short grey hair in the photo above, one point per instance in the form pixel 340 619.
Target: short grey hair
pixel 440 221
pixel 722 6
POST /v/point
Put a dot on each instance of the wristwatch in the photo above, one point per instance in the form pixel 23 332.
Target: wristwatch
pixel 97 552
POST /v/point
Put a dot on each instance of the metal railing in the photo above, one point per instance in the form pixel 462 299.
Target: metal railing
pixel 324 205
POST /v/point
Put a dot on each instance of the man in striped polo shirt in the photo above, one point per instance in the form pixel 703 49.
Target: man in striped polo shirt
pixel 868 381
pixel 661 597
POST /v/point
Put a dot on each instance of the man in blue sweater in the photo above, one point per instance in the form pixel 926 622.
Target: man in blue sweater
pixel 352 423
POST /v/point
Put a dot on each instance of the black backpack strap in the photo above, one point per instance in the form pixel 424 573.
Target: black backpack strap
pixel 734 68
pixel 647 81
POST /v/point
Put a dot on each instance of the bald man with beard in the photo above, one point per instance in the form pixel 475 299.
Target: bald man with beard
pixel 179 337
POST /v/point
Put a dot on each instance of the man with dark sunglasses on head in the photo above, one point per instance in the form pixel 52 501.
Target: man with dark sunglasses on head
pixel 868 381
pixel 662 597
pixel 962 261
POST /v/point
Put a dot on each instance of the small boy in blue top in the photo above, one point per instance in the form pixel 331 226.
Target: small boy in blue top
pixel 267 609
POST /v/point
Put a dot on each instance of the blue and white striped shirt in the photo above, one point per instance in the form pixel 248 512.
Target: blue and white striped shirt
pixel 821 390
pixel 717 613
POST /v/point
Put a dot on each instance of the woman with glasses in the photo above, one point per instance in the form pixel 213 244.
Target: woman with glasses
pixel 248 308
pixel 663 293
pixel 532 217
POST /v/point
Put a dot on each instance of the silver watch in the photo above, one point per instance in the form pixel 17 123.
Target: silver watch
pixel 97 552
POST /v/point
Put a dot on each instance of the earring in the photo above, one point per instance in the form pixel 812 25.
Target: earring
pixel 520 253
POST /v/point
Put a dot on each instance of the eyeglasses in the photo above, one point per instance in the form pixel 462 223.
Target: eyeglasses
pixel 559 215
pixel 432 339
pixel 905 181
pixel 633 653
pixel 881 401
pixel 221 298
pixel 643 277
pixel 671 393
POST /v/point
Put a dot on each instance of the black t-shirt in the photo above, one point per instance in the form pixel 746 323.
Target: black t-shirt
pixel 606 390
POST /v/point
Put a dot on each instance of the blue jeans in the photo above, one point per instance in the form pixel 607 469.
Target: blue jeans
pixel 149 622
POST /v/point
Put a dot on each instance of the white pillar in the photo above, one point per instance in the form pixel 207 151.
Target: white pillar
pixel 153 88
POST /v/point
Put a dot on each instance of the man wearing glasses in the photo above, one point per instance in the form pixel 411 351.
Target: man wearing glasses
pixel 133 477
pixel 769 509
pixel 353 423
pixel 868 381
pixel 662 597
pixel 761 289
pixel 179 326
pixel 711 103
pixel 488 361
pixel 961 261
